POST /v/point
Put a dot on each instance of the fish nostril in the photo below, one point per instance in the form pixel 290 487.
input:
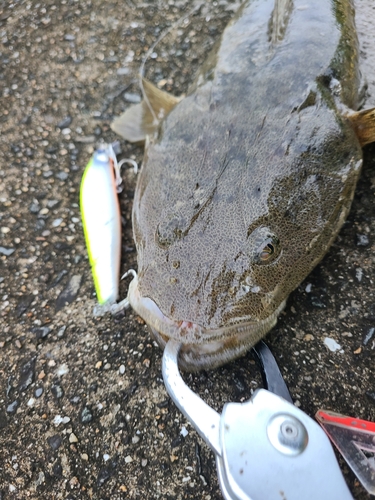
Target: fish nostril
pixel 168 232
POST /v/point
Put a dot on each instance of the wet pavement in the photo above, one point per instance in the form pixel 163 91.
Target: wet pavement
pixel 83 410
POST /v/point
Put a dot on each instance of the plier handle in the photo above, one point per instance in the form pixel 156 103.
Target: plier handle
pixel 265 448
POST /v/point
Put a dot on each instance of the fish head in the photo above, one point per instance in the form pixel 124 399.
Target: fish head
pixel 223 243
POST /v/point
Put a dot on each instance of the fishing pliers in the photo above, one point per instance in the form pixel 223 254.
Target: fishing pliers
pixel 265 448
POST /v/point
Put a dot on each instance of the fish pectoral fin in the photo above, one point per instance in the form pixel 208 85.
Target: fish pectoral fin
pixel 363 123
pixel 130 125
pixel 143 119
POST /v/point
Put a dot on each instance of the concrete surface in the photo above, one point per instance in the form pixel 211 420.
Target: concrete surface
pixel 83 410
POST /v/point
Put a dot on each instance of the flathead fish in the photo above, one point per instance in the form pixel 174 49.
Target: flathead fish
pixel 248 179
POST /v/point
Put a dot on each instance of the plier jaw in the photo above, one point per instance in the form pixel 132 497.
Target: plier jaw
pixel 265 448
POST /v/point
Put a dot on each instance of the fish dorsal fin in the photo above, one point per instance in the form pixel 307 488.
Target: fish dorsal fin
pixel 363 123
pixel 143 119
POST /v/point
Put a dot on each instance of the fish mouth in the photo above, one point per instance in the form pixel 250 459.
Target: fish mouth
pixel 202 348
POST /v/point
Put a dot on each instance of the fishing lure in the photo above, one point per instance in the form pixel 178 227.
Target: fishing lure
pixel 101 220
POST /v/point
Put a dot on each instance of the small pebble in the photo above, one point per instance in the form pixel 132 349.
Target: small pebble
pixel 74 482
pixel 57 391
pixel 86 139
pixel 69 294
pixel 12 407
pixel 41 479
pixel 103 476
pixel 359 273
pixel 128 459
pixel 62 176
pixel 332 344
pixel 55 441
pixel 34 207
pixel 362 240
pixel 62 370
pixel 65 122
pixel 369 336
pixel 84 456
pixel 133 98
pixel 6 251
pixel 86 415
pixel 52 203
pixel 27 374
pixel 184 432
pixel 42 332
pixel 60 420
pixel 57 222
pixel 38 392
pixel 73 438
pixel 121 369
pixel 123 71
pixel 61 332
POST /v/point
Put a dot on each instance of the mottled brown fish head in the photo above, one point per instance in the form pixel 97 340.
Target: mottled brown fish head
pixel 247 180
pixel 227 241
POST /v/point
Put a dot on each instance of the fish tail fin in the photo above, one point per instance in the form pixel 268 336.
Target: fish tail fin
pixel 144 118
pixel 363 123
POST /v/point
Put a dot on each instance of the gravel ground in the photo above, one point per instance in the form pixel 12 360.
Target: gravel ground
pixel 83 410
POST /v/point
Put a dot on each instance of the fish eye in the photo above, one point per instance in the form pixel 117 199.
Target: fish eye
pixel 268 250
pixel 265 246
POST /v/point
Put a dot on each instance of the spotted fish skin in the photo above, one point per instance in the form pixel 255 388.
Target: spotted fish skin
pixel 247 181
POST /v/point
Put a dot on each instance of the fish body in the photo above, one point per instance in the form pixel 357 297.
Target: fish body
pixel 247 180
pixel 102 223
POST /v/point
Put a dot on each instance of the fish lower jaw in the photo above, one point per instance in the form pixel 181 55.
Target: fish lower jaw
pixel 213 353
pixel 202 348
